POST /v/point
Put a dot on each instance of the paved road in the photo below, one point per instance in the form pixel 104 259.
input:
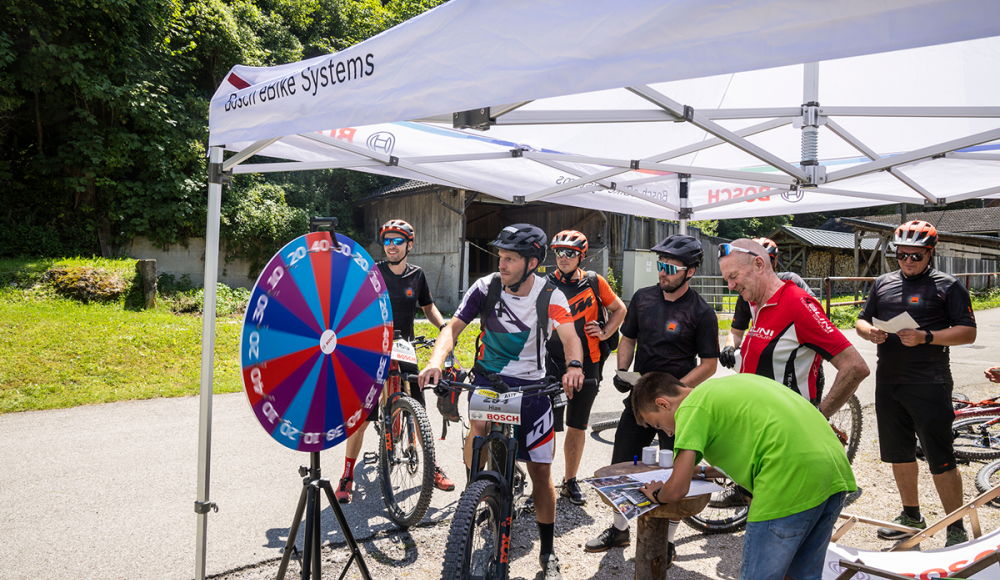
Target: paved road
pixel 107 491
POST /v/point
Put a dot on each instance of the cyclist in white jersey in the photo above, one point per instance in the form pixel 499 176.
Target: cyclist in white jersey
pixel 511 348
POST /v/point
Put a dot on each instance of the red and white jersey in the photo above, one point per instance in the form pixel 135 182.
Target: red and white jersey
pixel 789 335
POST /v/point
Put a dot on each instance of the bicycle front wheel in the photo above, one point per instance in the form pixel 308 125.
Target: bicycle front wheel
pixel 989 477
pixel 977 437
pixel 725 513
pixel 406 462
pixel 474 539
pixel 847 423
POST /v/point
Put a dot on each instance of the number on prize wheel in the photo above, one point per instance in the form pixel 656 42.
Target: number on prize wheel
pixel 317 336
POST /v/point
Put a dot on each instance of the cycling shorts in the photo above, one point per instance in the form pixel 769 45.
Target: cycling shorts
pixel 577 410
pixel 535 435
pixel 924 409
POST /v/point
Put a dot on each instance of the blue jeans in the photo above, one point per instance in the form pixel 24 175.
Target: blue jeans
pixel 794 545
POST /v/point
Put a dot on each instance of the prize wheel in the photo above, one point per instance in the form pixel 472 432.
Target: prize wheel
pixel 316 341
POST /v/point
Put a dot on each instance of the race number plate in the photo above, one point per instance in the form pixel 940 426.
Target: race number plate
pixel 403 351
pixel 486 405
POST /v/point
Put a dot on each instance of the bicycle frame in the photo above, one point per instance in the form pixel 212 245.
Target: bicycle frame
pixel 505 481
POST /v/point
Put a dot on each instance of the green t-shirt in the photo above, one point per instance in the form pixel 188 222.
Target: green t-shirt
pixel 768 439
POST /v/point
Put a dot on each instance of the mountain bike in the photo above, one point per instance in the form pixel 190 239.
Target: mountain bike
pixel 987 478
pixel 406 445
pixel 727 510
pixel 479 539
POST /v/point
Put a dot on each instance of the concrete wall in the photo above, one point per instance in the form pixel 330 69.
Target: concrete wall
pixel 179 260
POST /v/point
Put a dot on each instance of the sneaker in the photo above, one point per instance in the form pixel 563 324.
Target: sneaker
pixel 441 480
pixel 956 537
pixel 571 489
pixel 550 567
pixel 671 554
pixel 609 538
pixel 343 493
pixel 729 498
pixel 903 520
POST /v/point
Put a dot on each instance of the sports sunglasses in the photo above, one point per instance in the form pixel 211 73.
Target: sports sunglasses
pixel 903 256
pixel 393 241
pixel 727 249
pixel 567 253
pixel 669 269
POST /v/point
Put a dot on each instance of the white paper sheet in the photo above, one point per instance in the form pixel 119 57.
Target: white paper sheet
pixel 902 322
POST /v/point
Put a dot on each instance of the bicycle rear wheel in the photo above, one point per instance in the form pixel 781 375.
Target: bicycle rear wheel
pixel 725 513
pixel 977 437
pixel 847 422
pixel 474 537
pixel 406 462
pixel 604 425
pixel 987 478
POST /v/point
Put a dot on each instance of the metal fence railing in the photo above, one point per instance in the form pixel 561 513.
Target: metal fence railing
pixel 861 291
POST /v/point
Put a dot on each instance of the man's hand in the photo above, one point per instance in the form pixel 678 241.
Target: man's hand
pixel 649 490
pixel 429 376
pixel 878 336
pixel 910 337
pixel 728 357
pixel 572 381
pixel 993 374
pixel 621 384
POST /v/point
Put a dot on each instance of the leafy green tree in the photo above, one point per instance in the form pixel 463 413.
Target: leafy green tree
pixel 751 227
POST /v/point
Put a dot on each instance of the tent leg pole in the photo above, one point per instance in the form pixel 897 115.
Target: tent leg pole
pixel 202 504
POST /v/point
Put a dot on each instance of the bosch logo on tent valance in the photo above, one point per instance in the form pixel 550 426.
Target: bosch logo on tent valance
pixel 382 142
pixel 793 196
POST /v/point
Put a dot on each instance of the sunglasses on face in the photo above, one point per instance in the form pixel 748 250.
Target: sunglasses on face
pixel 567 253
pixel 902 256
pixel 727 249
pixel 393 241
pixel 669 269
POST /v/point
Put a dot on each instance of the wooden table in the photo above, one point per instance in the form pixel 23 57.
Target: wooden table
pixel 651 539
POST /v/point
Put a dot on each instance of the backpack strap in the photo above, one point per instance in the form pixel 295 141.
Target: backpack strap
pixel 542 314
pixel 602 315
pixel 492 297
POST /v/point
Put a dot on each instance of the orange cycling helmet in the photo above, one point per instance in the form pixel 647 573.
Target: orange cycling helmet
pixel 570 240
pixel 769 245
pixel 915 233
pixel 396 227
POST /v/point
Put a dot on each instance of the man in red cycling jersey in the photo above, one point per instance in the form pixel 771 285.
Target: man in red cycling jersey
pixel 913 378
pixel 791 333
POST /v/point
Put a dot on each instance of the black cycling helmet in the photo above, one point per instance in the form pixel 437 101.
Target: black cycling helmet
pixel 525 239
pixel 680 247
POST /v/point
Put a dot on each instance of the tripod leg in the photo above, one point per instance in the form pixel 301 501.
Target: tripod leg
pixel 293 531
pixel 308 544
pixel 317 534
pixel 346 528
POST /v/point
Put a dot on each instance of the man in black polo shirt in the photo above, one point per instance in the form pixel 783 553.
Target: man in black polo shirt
pixel 668 328
pixel 913 378
pixel 408 289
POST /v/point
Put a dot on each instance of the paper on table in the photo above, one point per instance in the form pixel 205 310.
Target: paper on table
pixel 698 486
pixel 902 322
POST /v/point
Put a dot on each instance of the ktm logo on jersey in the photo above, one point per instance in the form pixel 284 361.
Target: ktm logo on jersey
pixel 409 293
pixel 671 327
pixel 580 306
pixel 914 299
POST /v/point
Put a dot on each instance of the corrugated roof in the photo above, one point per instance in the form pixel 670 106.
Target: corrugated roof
pixel 827 239
pixel 958 221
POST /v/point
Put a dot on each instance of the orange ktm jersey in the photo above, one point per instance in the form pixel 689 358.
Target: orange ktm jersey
pixel 583 309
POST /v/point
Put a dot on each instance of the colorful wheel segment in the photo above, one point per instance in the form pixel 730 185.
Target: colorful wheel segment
pixel 316 341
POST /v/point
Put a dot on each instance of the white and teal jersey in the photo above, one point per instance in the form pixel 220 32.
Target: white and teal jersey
pixel 507 338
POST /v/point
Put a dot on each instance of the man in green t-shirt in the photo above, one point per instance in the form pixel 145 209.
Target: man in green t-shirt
pixel 771 441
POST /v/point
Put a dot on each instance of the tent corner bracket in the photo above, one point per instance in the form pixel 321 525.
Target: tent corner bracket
pixel 203 507
pixel 217 176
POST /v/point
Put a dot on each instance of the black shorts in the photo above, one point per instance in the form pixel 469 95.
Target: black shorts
pixel 922 409
pixel 577 410
pixel 630 438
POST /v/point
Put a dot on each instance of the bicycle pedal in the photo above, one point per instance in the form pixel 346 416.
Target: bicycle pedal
pixel 370 457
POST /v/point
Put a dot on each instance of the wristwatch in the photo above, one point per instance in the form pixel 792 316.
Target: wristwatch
pixel 575 364
pixel 928 337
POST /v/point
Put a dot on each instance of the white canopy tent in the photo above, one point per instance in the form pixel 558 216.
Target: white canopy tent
pixel 691 109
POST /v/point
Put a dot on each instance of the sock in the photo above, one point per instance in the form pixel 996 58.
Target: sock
pixel 912 511
pixel 671 528
pixel 349 468
pixel 620 522
pixel 958 526
pixel 546 532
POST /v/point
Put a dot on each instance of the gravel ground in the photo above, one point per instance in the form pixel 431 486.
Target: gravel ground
pixel 418 553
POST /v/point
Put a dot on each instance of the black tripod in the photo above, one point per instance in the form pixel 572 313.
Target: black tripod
pixel 309 501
